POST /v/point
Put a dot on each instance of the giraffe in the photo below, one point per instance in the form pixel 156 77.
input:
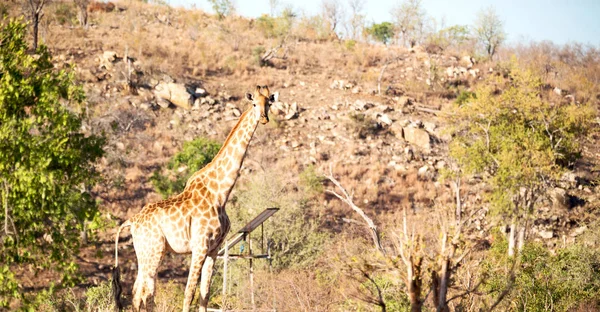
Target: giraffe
pixel 194 221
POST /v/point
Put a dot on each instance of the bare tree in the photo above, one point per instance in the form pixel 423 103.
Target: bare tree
pixel 82 15
pixel 34 9
pixel 274 5
pixel 489 30
pixel 356 21
pixel 410 19
pixel 333 13
pixel 347 198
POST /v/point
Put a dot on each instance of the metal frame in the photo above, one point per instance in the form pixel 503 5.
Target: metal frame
pixel 244 235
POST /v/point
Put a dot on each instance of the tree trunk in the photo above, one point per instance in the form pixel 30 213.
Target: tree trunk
pixel 512 237
pixel 521 239
pixel 36 23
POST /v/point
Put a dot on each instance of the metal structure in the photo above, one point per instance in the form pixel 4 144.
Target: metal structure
pixel 244 235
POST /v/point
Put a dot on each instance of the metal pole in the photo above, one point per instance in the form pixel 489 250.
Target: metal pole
pixel 251 274
pixel 225 260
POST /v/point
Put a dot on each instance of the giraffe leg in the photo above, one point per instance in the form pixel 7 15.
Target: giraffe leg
pixel 198 258
pixel 205 279
pixel 150 252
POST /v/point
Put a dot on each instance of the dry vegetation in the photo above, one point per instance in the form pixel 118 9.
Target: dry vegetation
pixel 326 258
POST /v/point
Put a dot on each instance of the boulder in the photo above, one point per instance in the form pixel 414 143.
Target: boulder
pixel 175 93
pixel 418 137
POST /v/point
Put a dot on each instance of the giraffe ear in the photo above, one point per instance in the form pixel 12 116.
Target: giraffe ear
pixel 249 96
pixel 274 97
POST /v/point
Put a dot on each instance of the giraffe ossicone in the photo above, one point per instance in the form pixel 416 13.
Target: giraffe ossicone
pixel 194 221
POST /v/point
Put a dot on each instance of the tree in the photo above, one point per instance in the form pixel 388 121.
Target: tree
pixel 193 157
pixel 82 14
pixel 222 7
pixel 383 32
pixel 489 30
pixel 518 142
pixel 333 13
pixel 410 21
pixel 357 19
pixel 34 9
pixel 46 163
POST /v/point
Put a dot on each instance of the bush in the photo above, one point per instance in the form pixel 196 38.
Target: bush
pixel 296 241
pixel 464 97
pixel 194 156
pixel 46 164
pixel 545 281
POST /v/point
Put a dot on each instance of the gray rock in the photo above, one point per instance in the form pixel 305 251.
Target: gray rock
pixel 417 137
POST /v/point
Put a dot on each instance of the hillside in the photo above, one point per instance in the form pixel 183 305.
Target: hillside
pixel 375 116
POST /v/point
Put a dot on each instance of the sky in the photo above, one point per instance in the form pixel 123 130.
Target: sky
pixel 560 21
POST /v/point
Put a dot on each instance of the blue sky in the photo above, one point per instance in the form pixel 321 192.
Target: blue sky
pixel 560 21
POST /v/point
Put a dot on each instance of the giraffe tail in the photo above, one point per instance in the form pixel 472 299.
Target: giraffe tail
pixel 116 274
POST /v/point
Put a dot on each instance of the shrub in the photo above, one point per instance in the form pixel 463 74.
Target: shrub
pixel 46 164
pixel 464 97
pixel 194 156
pixel 296 241
pixel 545 281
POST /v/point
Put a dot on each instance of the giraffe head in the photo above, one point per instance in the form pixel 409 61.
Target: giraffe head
pixel 262 99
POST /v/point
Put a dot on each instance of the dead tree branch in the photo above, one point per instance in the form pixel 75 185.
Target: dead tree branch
pixel 347 198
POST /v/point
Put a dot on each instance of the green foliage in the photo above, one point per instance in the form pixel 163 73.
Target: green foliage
pixel 382 32
pixel 46 163
pixel 276 27
pixel 311 181
pixel 515 139
pixel 545 281
pixel 464 97
pixel 194 156
pixel 222 7
pixel 99 298
pixel 350 44
pixel 257 54
pixel 453 36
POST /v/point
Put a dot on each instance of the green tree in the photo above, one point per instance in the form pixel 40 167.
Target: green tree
pixel 194 156
pixel 453 36
pixel 46 163
pixel 489 30
pixel 518 142
pixel 383 32
pixel 222 7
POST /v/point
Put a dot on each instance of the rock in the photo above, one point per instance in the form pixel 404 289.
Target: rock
pixel 557 91
pixel 403 101
pixel 546 234
pixel 397 131
pixel 145 106
pixel 174 93
pixel 163 103
pixel 384 119
pixel 451 72
pixel 578 231
pixel 361 105
pixel 560 199
pixel 474 72
pixel 417 137
pixel 199 92
pixel 429 126
pixel 109 56
pixel 467 61
pixel 423 171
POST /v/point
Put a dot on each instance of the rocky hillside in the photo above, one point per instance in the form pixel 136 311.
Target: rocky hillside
pixel 157 77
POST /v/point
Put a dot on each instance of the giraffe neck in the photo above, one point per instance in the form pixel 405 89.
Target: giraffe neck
pixel 222 173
